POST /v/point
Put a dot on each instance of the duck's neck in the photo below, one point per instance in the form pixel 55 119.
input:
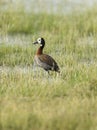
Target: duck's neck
pixel 40 50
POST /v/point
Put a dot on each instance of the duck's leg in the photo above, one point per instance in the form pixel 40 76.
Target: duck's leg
pixel 48 72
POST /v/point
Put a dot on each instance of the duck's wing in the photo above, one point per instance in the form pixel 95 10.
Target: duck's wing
pixel 48 62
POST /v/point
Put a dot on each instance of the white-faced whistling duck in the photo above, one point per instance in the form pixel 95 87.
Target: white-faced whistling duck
pixel 44 61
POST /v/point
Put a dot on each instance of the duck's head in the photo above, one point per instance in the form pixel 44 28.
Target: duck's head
pixel 40 41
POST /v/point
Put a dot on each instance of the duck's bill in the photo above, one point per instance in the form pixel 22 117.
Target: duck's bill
pixel 35 42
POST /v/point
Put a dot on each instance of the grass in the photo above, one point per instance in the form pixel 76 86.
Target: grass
pixel 30 100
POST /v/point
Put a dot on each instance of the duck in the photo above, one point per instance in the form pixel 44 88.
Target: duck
pixel 43 60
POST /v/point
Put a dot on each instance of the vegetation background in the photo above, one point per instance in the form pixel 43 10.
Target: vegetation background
pixel 29 98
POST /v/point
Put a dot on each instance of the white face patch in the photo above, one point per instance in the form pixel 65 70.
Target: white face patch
pixel 39 40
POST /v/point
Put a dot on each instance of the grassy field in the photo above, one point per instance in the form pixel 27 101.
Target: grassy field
pixel 32 100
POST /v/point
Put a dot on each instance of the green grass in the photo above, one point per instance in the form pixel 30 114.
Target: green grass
pixel 31 100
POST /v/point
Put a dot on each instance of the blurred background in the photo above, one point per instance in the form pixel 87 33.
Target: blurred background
pixel 48 6
pixel 37 17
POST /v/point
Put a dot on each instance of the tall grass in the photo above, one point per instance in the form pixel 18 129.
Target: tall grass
pixel 32 100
